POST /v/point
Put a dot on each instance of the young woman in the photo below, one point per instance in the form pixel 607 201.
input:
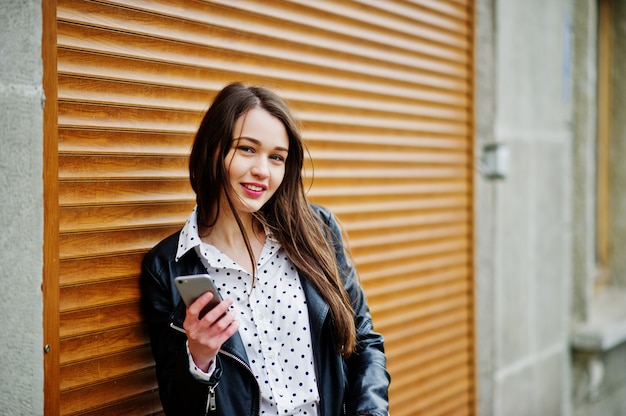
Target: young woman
pixel 293 334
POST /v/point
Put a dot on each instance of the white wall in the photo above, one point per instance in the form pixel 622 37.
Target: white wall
pixel 21 208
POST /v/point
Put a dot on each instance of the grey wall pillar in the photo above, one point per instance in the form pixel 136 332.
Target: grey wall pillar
pixel 523 257
pixel 21 208
pixel 484 194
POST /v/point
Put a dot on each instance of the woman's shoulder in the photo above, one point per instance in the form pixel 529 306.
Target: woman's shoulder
pixel 331 227
pixel 322 212
pixel 164 249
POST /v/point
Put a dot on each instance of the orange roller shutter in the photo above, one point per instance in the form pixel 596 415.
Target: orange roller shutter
pixel 384 90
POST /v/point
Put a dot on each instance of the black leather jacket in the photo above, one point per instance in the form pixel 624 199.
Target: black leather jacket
pixel 354 386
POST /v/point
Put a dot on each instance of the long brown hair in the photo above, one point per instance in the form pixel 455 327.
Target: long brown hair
pixel 287 214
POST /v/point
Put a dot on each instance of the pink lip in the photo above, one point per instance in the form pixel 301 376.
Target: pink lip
pixel 252 192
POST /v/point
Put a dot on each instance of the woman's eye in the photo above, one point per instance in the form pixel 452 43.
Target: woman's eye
pixel 278 158
pixel 246 149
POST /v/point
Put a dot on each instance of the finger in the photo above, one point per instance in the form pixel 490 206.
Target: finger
pixel 223 330
pixel 218 311
pixel 223 322
pixel 193 323
pixel 196 307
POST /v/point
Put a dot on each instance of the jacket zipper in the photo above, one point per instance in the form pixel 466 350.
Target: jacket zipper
pixel 244 365
pixel 177 328
pixel 210 403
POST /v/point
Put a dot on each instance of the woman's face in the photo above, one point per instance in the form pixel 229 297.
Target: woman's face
pixel 256 160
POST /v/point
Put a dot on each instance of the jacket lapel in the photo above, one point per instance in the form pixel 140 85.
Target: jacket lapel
pixel 317 306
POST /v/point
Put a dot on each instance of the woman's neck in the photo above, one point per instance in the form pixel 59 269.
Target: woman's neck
pixel 226 236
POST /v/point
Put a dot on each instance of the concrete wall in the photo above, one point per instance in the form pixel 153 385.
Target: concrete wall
pixel 21 208
pixel 599 375
pixel 609 398
pixel 524 221
pixel 584 127
pixel 618 147
pixel 484 208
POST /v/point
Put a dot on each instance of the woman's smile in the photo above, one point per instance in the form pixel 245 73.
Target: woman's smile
pixel 254 190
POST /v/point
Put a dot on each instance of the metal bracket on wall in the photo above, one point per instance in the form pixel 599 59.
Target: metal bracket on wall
pixel 494 162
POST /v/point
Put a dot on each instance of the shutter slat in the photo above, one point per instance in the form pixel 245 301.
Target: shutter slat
pixel 106 368
pixel 100 293
pixel 80 90
pixel 146 404
pixel 362 222
pixel 434 368
pixel 121 167
pixel 397 158
pixel 451 292
pixel 412 252
pixel 408 235
pixel 325 170
pixel 100 395
pixel 360 121
pixel 106 192
pixel 405 360
pixel 101 344
pixel 79 141
pixel 89 269
pixel 451 406
pixel 426 351
pixel 449 9
pixel 339 191
pixel 388 204
pixel 95 244
pixel 119 217
pixel 411 267
pixel 324 139
pixel 99 319
pixel 81 115
pixel 395 316
pixel 121 68
pixel 382 286
pixel 428 341
pixel 434 391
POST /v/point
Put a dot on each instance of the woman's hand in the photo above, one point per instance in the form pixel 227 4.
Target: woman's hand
pixel 205 336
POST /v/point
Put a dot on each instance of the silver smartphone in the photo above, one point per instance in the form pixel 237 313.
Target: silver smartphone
pixel 193 286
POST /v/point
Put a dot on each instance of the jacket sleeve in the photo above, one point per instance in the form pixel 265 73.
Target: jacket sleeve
pixel 180 392
pixel 367 374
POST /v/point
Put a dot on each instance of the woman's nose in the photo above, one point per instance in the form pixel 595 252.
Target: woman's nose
pixel 261 168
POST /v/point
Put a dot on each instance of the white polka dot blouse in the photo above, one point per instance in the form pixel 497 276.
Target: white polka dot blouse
pixel 274 322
